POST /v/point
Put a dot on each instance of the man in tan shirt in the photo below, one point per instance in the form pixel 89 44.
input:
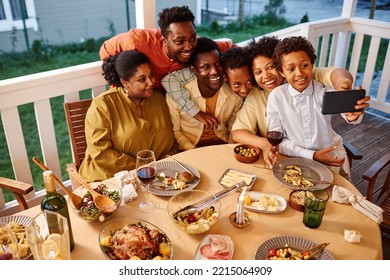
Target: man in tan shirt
pixel 211 95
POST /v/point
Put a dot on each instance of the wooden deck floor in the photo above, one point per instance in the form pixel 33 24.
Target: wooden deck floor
pixel 372 139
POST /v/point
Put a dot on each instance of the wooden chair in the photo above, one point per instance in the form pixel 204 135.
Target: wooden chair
pixel 380 195
pixel 75 113
pixel 352 152
pixel 18 189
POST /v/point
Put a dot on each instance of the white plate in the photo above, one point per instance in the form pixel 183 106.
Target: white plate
pixel 169 168
pixel 282 203
pixel 252 176
pixel 206 241
pixel 22 220
pixel 310 169
pixel 296 243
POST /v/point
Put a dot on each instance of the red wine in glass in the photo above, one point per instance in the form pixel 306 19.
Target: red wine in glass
pixel 146 174
pixel 274 137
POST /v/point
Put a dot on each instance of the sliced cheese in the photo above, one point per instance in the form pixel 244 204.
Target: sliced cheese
pixel 233 177
pixel 266 203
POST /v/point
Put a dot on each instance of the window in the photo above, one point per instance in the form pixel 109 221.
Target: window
pixel 2 14
pixel 11 14
pixel 17 8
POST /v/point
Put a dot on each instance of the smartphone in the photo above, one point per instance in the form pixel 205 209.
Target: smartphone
pixel 341 101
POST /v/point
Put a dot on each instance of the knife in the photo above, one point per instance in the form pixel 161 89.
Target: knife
pixel 185 168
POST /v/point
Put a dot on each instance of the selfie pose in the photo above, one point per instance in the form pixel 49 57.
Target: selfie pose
pixel 296 106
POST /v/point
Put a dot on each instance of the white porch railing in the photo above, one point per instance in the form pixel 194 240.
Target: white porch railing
pixel 38 89
pixel 334 35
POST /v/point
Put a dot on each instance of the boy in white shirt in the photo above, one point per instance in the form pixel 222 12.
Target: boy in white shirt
pixel 297 107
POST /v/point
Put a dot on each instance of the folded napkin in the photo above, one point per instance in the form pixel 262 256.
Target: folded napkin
pixel 125 180
pixel 342 195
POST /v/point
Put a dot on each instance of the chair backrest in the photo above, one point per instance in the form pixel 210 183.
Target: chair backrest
pixel 75 113
pixel 18 189
pixel 378 190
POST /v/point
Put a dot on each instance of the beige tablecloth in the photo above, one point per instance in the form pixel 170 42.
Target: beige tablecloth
pixel 212 162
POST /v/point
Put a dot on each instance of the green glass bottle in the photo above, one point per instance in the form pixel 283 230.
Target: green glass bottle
pixel 55 202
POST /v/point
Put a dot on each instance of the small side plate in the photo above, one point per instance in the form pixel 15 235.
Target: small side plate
pixel 205 242
pixel 282 203
pixel 232 176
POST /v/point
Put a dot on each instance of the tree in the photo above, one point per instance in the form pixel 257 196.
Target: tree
pixel 372 9
pixel 305 18
pixel 241 5
pixel 274 9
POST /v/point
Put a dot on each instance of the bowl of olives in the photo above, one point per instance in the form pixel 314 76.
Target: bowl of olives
pixel 246 153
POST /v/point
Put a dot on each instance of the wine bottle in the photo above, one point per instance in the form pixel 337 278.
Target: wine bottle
pixel 55 202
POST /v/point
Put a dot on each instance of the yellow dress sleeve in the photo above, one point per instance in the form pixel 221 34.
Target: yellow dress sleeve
pixel 322 75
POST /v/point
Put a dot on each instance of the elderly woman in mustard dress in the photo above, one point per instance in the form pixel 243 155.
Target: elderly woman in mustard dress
pixel 125 119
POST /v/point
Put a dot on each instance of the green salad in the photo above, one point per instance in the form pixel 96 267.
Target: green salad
pixel 88 209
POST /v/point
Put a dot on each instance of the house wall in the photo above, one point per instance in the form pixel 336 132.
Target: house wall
pixel 72 21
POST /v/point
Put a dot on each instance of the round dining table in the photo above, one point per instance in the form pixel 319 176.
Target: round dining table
pixel 212 162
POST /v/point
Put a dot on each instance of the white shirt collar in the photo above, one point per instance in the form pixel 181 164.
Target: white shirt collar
pixel 308 91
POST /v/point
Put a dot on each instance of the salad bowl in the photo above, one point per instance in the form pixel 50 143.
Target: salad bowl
pixel 88 210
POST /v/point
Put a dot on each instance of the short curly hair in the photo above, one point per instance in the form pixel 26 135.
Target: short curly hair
pixel 265 46
pixel 204 45
pixel 122 66
pixel 234 58
pixel 293 44
pixel 173 15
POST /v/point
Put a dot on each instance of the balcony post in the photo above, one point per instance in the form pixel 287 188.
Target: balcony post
pixel 349 10
pixel 145 14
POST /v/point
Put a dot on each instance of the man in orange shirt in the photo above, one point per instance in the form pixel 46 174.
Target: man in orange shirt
pixel 168 48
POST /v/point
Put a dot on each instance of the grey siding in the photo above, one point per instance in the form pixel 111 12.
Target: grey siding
pixel 77 20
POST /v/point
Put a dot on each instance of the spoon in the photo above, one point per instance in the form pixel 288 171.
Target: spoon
pixel 76 200
pixel 101 202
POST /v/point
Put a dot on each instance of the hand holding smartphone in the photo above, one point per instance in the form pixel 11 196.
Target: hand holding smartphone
pixel 341 101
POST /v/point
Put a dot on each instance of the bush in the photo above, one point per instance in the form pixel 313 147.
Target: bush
pixel 305 18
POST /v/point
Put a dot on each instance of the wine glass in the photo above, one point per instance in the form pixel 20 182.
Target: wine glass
pixel 146 173
pixel 274 133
